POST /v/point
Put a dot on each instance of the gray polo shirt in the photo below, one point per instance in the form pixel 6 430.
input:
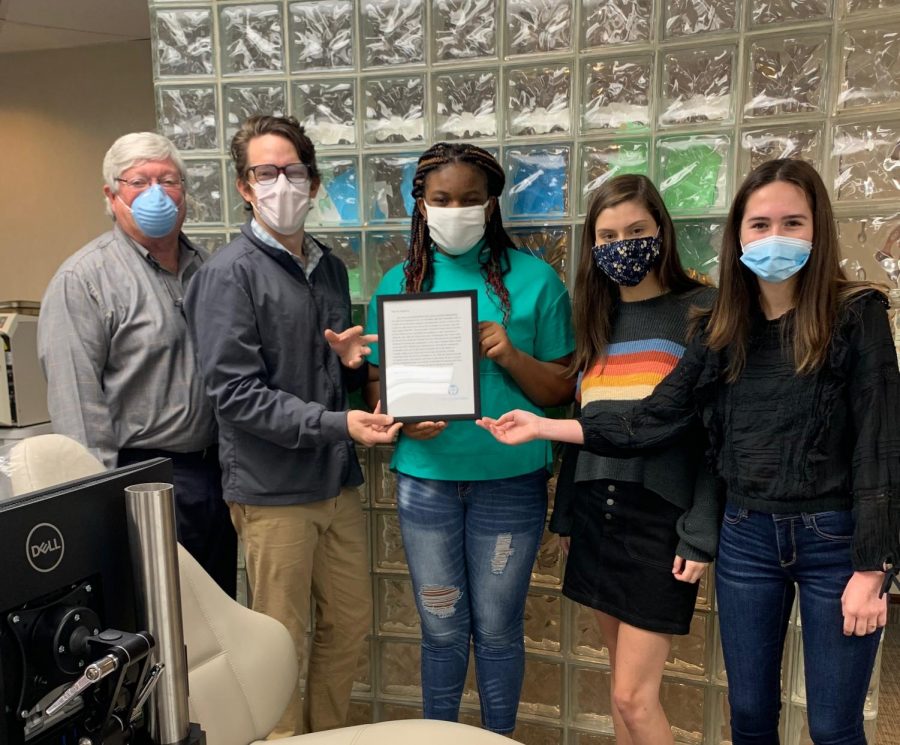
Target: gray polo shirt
pixel 113 342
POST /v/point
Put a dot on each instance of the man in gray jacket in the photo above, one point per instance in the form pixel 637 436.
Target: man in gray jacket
pixel 121 371
pixel 259 311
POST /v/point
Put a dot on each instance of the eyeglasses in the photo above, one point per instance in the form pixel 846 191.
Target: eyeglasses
pixel 266 173
pixel 169 183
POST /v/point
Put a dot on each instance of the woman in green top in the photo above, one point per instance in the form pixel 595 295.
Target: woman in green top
pixel 472 510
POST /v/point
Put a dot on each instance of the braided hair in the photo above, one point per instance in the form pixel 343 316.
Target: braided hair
pixel 419 268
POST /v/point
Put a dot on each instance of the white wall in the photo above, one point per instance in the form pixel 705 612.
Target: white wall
pixel 60 110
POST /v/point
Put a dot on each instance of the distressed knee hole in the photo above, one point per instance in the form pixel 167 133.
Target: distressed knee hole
pixel 502 551
pixel 439 600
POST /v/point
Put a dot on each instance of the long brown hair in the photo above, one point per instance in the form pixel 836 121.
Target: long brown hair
pixel 821 286
pixel 419 267
pixel 596 295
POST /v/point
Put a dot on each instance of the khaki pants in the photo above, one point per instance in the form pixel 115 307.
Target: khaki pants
pixel 318 550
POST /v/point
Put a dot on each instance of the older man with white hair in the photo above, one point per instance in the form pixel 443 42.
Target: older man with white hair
pixel 121 368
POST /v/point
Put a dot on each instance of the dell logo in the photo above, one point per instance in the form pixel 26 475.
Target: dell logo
pixel 44 547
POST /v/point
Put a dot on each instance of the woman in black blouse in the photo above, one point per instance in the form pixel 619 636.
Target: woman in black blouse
pixel 795 379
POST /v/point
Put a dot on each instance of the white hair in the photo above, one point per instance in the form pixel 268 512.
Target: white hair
pixel 132 150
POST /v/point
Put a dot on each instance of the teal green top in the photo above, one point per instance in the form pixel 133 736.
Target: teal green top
pixel 540 325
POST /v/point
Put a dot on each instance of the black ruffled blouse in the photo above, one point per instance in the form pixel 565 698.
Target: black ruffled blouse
pixel 782 442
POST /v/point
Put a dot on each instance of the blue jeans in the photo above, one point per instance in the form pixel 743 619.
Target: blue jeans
pixel 470 546
pixel 761 558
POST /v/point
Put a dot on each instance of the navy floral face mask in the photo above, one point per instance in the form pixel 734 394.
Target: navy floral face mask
pixel 628 262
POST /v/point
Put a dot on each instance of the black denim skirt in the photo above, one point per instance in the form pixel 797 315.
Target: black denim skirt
pixel 620 560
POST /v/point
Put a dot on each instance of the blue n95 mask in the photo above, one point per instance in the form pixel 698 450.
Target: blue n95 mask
pixel 154 212
pixel 776 258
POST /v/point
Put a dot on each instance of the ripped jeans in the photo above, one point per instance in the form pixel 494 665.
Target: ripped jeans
pixel 470 546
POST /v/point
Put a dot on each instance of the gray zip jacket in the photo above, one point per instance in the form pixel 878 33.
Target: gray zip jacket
pixel 278 391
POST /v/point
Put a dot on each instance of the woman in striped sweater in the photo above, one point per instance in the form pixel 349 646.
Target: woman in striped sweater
pixel 640 530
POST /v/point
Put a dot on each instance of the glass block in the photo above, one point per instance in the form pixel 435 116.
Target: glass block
pixel 209 242
pixel 870 247
pixel 870 67
pixel 687 17
pixel 389 553
pixel 465 105
pixel 542 622
pixel 760 145
pixel 383 251
pixel 866 160
pixel 243 100
pixel 685 708
pixel 347 246
pixel 204 192
pixel 337 201
pixel 393 712
pixel 539 100
pixel 321 34
pixel 399 667
pixel 251 39
pixel 536 734
pixel 688 653
pixel 187 116
pixel 721 724
pixel 537 181
pixel 697 85
pixel 608 22
pixel 238 210
pixel 393 31
pixel 389 186
pixel 586 640
pixel 397 613
pixel 184 42
pixel 590 738
pixel 764 12
pixel 617 93
pixel 861 6
pixel 385 481
pixel 787 75
pixel 464 29
pixel 589 698
pixel 360 712
pixel 601 161
pixel 705 590
pixel 553 245
pixel 327 110
pixel 536 26
pixel 699 243
pixel 362 682
pixel 395 110
pixel 362 453
pixel 693 172
pixel 542 688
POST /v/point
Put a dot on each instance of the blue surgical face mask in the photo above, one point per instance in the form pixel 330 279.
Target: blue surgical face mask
pixel 154 212
pixel 776 258
pixel 627 262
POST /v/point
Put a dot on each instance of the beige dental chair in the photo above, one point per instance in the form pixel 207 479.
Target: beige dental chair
pixel 241 664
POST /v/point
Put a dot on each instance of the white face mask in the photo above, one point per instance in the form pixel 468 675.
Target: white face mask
pixel 456 230
pixel 282 206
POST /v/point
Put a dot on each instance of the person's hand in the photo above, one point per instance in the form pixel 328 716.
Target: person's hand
pixel 565 543
pixel 372 429
pixel 350 345
pixel 514 427
pixel 495 344
pixel 685 570
pixel 863 611
pixel 423 430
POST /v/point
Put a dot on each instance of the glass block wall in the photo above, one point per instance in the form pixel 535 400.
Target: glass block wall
pixel 566 93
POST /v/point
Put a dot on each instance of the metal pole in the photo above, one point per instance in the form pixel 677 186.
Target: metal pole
pixel 151 533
